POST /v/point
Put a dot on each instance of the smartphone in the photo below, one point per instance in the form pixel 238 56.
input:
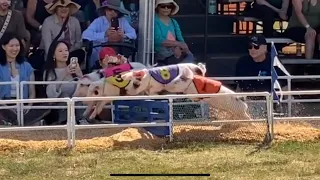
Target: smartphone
pixel 74 61
pixel 115 23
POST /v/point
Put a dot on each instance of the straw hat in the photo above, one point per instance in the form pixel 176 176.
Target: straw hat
pixel 112 4
pixel 174 11
pixel 74 7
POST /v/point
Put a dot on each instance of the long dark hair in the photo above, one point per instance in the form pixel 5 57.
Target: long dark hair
pixel 50 63
pixel 6 38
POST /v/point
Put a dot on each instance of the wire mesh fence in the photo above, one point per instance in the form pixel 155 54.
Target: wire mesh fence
pixel 204 120
pixel 300 122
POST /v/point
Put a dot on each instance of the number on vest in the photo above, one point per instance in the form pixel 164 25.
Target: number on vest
pixel 165 74
pixel 117 81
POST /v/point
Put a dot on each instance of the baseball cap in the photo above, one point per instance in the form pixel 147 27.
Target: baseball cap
pixel 106 51
pixel 258 40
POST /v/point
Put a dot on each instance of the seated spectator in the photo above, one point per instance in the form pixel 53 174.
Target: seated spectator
pixel 304 25
pixel 100 30
pixel 15 23
pixel 15 68
pixel 52 27
pixel 268 11
pixel 57 69
pixel 169 44
pixel 80 14
pixel 103 63
pixel 36 13
pixel 256 63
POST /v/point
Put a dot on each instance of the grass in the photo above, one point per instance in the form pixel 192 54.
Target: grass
pixel 291 160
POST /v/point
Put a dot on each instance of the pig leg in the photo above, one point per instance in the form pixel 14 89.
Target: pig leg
pixel 98 109
pixel 90 106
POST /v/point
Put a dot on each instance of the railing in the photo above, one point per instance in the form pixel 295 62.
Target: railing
pixel 18 106
pixel 289 100
pixel 22 106
pixel 71 126
pixel 170 99
pixel 289 79
pixel 33 128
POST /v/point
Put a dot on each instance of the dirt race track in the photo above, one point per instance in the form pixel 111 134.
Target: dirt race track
pixel 95 139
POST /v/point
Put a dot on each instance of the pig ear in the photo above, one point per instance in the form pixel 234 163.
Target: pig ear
pixel 186 74
pixel 138 74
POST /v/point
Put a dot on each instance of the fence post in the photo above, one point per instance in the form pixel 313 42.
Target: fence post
pixel 270 124
pixel 73 122
pixel 289 97
pixel 21 114
pixel 171 119
pixel 69 124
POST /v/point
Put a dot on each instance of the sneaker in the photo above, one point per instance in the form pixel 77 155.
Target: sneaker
pixel 83 122
pixel 5 123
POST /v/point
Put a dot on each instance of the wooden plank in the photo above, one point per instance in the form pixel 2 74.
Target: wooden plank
pixel 237 1
pixel 279 40
pixel 250 19
pixel 300 61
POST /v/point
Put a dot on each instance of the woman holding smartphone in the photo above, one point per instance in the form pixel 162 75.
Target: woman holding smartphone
pixel 57 68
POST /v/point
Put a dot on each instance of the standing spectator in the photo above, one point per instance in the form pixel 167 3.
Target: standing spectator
pixel 256 63
pixel 15 68
pixel 100 30
pixel 169 44
pixel 304 25
pixel 61 11
pixel 268 11
pixel 13 21
pixel 57 69
pixel 36 13
pixel 133 7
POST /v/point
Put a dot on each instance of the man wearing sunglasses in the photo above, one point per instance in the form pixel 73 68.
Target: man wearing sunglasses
pixel 256 63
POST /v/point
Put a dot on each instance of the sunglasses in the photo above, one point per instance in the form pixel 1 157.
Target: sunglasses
pixel 168 6
pixel 256 47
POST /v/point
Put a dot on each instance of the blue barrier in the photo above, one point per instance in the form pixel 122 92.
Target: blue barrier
pixel 143 111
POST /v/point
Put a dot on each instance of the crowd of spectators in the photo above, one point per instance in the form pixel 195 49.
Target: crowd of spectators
pixel 38 41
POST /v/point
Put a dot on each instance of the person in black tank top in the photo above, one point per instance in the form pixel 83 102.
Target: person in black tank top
pixel 268 11
pixel 35 16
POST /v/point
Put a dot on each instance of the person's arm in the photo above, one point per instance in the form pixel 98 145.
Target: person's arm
pixel 46 34
pixel 92 32
pixel 78 37
pixel 285 5
pixel 297 5
pixel 178 31
pixel 264 2
pixel 129 32
pixel 52 90
pixel 31 9
pixel 21 29
pixel 32 89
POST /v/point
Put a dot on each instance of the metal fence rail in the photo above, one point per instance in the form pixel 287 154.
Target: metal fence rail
pixel 71 126
pixel 33 128
pixel 18 106
pixel 289 99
